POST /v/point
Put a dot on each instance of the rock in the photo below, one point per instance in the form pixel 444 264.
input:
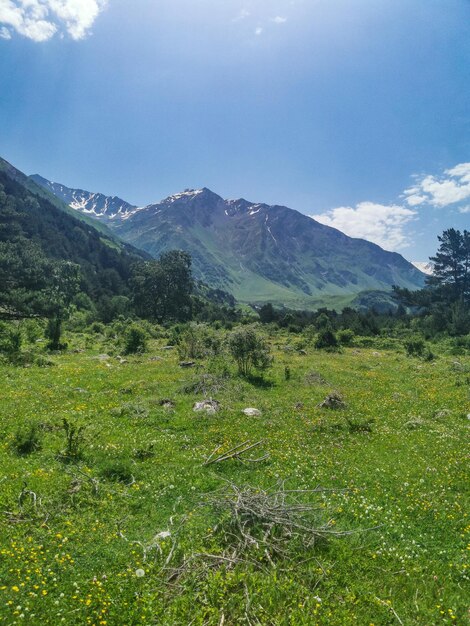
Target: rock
pixel 414 423
pixel 209 406
pixel 166 404
pixel 303 352
pixel 168 348
pixel 103 357
pixel 332 401
pixel 299 405
pixel 154 359
pixel 187 364
pixel 443 413
pixel 251 412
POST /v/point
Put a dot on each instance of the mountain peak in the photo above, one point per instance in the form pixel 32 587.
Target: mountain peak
pixel 191 194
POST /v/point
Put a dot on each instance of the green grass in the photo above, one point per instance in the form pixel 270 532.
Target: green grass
pixel 70 552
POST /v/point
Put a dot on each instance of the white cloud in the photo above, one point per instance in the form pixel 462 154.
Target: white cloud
pixel 40 20
pixel 379 223
pixel 259 31
pixel 449 188
pixel 465 209
pixel 279 20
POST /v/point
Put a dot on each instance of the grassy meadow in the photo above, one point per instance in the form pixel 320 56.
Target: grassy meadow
pixel 120 527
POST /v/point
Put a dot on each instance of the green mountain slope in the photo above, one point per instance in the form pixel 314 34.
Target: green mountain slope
pixel 29 217
pixel 260 253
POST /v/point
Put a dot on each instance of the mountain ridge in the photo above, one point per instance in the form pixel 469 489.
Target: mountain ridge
pixel 257 252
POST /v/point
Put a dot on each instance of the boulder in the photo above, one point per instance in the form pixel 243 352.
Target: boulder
pixel 209 406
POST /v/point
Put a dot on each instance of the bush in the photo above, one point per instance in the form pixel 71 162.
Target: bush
pixel 135 340
pixel 415 346
pixel 326 340
pixel 27 439
pixel 249 350
pixel 11 339
pixel 196 341
pixel 74 440
pixel 346 337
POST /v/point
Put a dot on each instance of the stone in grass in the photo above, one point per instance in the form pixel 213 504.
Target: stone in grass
pixel 209 406
pixel 187 364
pixel 443 413
pixel 251 412
pixel 414 423
pixel 333 401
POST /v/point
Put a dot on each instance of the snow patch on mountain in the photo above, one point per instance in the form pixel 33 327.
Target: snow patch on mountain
pixel 424 266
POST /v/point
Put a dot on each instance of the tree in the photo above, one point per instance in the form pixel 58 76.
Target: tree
pixel 452 265
pixel 162 289
pixel 64 286
pixel 444 303
pixel 249 350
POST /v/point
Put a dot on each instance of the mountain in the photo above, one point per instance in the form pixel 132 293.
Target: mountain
pixel 424 266
pixel 94 204
pixel 257 252
pixel 36 225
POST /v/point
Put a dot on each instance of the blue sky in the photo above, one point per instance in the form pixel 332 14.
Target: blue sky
pixel 354 111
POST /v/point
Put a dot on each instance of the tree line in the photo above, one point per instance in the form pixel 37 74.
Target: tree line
pixel 52 263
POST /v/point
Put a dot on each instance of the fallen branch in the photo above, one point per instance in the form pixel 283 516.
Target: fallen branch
pixel 235 453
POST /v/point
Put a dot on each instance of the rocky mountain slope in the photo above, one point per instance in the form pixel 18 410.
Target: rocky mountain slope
pixel 257 252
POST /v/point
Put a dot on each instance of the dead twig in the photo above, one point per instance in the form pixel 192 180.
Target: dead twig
pixel 235 453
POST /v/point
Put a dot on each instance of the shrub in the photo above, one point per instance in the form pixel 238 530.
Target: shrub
pixel 249 350
pixel 415 346
pixel 196 341
pixel 135 340
pixel 10 339
pixel 346 337
pixel 326 340
pixel 74 439
pixel 27 439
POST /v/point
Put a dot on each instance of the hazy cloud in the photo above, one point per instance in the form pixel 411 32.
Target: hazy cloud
pixel 279 20
pixel 40 20
pixel 258 31
pixel 448 188
pixel 379 223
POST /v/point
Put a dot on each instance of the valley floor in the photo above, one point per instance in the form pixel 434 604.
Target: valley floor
pixel 102 540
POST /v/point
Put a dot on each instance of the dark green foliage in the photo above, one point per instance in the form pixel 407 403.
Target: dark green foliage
pixel 452 265
pixel 10 339
pixel 267 314
pixel 74 440
pixel 117 470
pixel 162 289
pixel 326 340
pixel 346 337
pixel 249 350
pixel 444 304
pixel 196 341
pixel 415 346
pixel 34 236
pixel 135 340
pixel 27 439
